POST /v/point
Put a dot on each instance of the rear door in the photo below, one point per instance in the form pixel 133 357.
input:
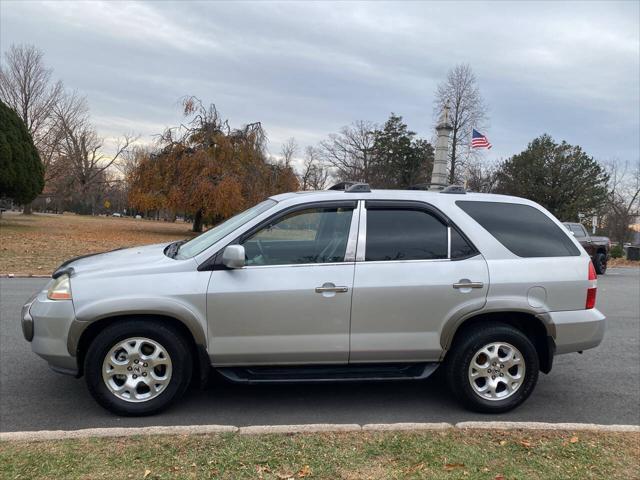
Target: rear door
pixel 414 269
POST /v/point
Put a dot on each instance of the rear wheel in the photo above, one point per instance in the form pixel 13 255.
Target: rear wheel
pixel 600 263
pixel 492 367
pixel 137 367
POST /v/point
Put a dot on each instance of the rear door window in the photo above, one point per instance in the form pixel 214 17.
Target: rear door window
pixel 404 234
pixel 524 230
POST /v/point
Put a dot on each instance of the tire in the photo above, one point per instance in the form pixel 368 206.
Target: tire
pixel 124 347
pixel 468 346
pixel 600 263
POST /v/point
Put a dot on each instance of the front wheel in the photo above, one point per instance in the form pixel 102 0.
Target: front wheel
pixel 492 368
pixel 137 367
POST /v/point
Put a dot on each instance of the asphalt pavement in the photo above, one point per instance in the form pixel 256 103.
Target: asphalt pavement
pixel 600 386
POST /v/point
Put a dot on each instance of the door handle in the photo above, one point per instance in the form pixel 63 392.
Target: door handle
pixel 324 289
pixel 468 284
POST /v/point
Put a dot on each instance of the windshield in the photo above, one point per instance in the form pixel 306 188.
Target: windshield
pixel 199 244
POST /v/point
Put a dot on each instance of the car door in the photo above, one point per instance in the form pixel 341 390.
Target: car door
pixel 291 302
pixel 413 270
pixel 581 235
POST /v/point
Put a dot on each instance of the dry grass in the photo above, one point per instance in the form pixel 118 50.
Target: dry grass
pixel 452 454
pixel 622 262
pixel 37 244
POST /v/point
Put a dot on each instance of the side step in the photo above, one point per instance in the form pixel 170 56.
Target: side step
pixel 329 373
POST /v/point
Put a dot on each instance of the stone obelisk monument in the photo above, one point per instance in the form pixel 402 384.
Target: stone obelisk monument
pixel 439 174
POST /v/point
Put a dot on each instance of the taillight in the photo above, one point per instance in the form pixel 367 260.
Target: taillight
pixel 591 291
pixel 592 272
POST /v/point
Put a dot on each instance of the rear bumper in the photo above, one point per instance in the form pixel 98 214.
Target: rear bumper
pixel 577 330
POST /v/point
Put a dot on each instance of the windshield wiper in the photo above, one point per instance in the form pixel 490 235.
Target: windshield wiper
pixel 172 250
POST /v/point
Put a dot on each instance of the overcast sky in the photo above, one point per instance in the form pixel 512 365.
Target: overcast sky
pixel 305 69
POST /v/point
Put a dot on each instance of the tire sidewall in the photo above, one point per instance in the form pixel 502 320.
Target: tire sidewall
pixel 468 349
pixel 173 343
pixel 601 263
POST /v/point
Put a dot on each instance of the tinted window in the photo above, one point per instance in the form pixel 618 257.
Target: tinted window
pixel 524 230
pixel 460 248
pixel 308 236
pixel 395 234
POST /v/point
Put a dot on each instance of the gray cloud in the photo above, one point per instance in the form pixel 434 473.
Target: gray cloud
pixel 305 69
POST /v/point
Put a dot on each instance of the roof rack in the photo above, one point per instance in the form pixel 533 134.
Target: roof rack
pixel 455 189
pixel 351 187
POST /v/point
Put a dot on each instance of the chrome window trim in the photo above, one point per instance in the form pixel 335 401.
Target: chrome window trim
pixel 362 232
pixel 352 240
pixel 290 265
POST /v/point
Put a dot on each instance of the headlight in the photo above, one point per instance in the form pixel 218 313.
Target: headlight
pixel 60 289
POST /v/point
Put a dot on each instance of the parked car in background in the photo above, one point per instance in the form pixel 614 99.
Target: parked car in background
pixel 343 285
pixel 597 247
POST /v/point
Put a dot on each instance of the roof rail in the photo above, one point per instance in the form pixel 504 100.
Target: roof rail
pixel 351 187
pixel 456 189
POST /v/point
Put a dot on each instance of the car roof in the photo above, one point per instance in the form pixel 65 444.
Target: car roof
pixel 429 196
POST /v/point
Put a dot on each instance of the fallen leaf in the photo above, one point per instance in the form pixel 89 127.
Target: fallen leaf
pixel 573 440
pixel 503 443
pixel 451 466
pixel 499 477
pixel 525 443
pixel 304 471
pixel 147 472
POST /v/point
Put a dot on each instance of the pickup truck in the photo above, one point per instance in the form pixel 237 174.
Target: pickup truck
pixel 596 247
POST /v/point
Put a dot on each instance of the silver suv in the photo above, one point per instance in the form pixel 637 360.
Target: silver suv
pixel 351 284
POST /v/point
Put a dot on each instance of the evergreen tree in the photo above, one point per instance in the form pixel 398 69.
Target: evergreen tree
pixel 560 177
pixel 21 171
pixel 400 159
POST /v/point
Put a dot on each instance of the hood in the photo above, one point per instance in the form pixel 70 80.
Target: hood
pixel 121 259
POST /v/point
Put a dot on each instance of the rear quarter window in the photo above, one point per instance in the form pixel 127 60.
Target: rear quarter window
pixel 524 230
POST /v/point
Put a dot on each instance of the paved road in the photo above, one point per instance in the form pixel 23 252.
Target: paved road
pixel 600 386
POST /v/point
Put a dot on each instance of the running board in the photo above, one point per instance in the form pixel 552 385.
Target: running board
pixel 328 373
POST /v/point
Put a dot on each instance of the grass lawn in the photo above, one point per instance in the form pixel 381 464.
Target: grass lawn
pixel 363 455
pixel 37 244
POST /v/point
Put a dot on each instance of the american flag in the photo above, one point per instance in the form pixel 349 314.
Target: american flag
pixel 478 140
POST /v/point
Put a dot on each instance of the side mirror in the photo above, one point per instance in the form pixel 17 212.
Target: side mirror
pixel 233 256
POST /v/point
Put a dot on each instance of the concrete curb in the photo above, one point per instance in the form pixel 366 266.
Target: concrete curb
pixel 11 275
pixel 546 426
pixel 306 428
pixel 115 432
pixel 405 427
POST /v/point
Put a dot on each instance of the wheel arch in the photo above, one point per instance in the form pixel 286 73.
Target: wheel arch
pixel 528 323
pixel 195 340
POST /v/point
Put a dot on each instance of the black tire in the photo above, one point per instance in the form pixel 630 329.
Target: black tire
pixel 467 344
pixel 170 339
pixel 600 263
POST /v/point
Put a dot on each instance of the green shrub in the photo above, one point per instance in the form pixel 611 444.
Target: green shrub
pixel 616 252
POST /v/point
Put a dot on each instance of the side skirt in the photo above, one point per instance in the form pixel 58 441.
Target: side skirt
pixel 328 373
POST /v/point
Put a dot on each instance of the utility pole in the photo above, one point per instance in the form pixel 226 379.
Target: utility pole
pixel 439 174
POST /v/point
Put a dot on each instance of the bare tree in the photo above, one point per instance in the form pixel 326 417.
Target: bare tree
pixel 351 152
pixel 623 202
pixel 481 178
pixel 288 151
pixel 314 174
pixel 467 110
pixel 26 87
pixel 81 149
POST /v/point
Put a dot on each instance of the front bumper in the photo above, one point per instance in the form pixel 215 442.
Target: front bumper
pixel 577 330
pixel 46 323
